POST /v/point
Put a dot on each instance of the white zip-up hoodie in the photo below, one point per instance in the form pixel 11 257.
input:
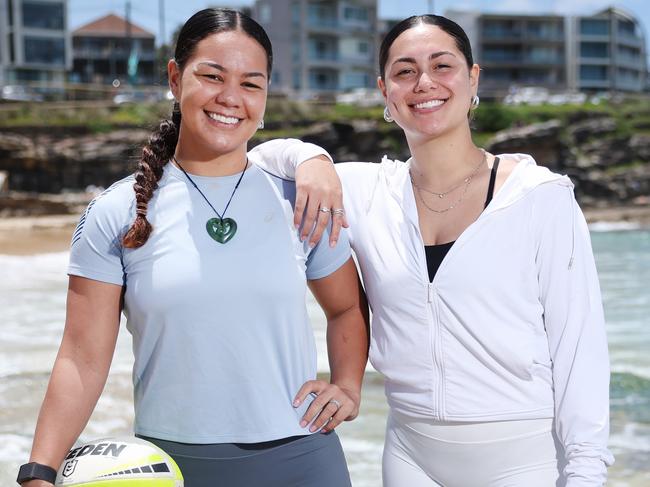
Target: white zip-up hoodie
pixel 512 325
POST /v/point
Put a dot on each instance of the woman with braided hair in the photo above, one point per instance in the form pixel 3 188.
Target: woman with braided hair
pixel 200 252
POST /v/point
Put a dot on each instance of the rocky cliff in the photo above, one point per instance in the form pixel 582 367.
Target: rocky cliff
pixel 608 166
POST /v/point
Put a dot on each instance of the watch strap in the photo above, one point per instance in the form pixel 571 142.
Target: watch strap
pixel 36 471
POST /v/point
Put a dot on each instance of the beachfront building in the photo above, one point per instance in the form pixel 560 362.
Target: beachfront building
pixel 610 52
pixel 321 47
pixel 111 48
pixel 34 42
pixel 601 52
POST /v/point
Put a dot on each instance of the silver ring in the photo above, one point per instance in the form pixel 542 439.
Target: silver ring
pixel 324 209
pixel 338 211
pixel 335 402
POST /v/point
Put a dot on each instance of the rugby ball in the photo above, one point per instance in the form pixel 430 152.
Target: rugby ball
pixel 119 462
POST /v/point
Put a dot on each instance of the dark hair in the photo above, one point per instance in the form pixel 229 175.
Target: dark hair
pixel 162 142
pixel 449 26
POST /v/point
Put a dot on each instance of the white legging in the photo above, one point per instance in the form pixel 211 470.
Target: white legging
pixel 421 453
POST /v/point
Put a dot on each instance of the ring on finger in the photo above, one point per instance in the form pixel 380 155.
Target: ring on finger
pixel 324 209
pixel 338 211
pixel 335 402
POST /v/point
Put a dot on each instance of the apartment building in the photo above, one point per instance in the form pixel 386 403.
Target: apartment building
pixel 34 42
pixel 111 48
pixel 609 52
pixel 320 47
pixel 601 52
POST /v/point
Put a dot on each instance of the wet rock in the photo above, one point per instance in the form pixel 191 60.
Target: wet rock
pixel 585 130
pixel 541 140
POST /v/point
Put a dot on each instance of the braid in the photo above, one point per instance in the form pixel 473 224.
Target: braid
pixel 155 154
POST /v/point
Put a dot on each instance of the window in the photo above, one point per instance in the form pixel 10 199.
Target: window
pixel 629 54
pixel 355 79
pixel 502 54
pixel 12 49
pixel 321 15
pixel 626 28
pixel 593 73
pixel 10 13
pixel 594 27
pixel 544 30
pixel 322 48
pixel 42 15
pixel 499 29
pixel 363 47
pixel 594 50
pixel 628 75
pixel 323 80
pixel 540 54
pixel 44 50
pixel 355 13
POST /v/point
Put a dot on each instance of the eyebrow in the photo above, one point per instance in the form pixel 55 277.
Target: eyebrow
pixel 431 57
pixel 252 74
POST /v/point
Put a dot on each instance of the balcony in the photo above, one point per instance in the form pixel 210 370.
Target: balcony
pixel 629 40
pixel 544 36
pixel 505 58
pixel 502 34
pixel 108 53
pixel 330 23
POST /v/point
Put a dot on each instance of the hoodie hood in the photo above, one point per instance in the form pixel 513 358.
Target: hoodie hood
pixel 524 178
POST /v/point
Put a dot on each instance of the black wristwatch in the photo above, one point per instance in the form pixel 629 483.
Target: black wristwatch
pixel 36 471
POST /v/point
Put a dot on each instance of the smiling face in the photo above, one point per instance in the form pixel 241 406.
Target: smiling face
pixel 427 84
pixel 222 93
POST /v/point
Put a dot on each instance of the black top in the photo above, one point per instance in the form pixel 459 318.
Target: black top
pixel 436 253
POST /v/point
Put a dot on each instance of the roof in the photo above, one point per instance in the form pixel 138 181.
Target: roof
pixel 111 26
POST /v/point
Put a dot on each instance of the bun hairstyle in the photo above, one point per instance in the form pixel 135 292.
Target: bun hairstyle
pixel 162 142
pixel 449 26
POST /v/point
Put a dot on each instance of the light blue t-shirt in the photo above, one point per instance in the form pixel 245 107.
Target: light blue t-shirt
pixel 221 336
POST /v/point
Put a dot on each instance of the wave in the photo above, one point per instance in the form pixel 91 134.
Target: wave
pixel 630 399
pixel 613 226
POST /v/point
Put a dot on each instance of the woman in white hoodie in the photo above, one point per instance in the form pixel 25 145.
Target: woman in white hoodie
pixel 487 316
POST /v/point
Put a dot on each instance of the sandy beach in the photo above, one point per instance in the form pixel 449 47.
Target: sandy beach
pixel 36 234
pixel 52 233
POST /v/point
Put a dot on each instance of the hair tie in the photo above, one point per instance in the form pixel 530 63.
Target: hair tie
pixel 141 208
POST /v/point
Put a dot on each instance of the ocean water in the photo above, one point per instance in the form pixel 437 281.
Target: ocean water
pixel 32 300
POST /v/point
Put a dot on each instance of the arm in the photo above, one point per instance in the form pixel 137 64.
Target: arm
pixel 282 157
pixel 342 298
pixel 575 326
pixel 80 369
pixel 317 184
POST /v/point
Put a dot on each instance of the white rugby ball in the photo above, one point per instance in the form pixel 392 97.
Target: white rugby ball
pixel 119 462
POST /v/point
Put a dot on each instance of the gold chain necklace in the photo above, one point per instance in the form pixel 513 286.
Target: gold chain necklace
pixel 465 182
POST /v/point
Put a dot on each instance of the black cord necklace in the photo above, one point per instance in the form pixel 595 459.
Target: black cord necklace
pixel 220 229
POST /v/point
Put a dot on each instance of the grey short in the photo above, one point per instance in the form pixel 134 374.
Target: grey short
pixel 315 460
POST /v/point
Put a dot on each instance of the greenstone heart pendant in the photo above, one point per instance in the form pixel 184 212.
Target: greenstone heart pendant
pixel 221 230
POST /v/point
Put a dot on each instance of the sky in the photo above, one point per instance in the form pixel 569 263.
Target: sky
pixel 145 12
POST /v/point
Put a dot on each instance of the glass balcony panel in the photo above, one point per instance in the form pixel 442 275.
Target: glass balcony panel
pixel 43 15
pixel 45 50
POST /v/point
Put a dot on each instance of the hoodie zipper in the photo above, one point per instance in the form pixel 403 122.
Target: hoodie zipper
pixel 437 383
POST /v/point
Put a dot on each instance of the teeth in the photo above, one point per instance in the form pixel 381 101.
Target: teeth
pixel 223 119
pixel 429 104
